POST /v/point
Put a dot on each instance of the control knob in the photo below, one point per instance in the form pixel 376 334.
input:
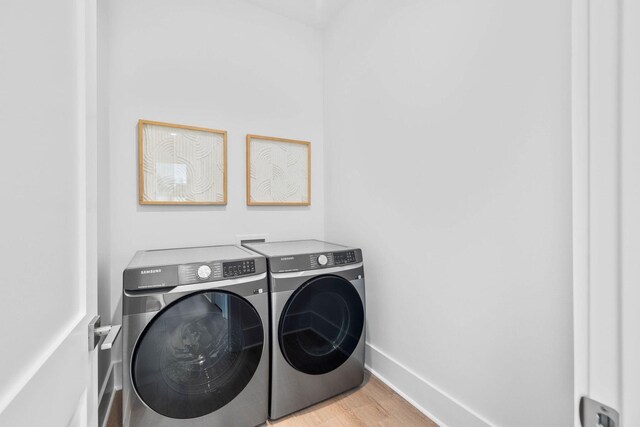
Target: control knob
pixel 204 271
pixel 322 260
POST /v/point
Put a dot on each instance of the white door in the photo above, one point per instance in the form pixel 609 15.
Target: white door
pixel 606 101
pixel 47 212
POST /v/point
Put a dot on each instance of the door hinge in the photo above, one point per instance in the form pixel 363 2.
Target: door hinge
pixel 97 332
pixel 596 414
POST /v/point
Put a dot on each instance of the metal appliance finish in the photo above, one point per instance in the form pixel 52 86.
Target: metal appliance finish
pixel 184 266
pixel 295 267
pixel 240 290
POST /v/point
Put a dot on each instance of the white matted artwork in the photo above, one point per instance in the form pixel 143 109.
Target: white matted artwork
pixel 182 165
pixel 278 171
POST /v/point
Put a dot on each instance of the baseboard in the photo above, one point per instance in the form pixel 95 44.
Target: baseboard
pixel 105 396
pixel 428 399
pixel 117 375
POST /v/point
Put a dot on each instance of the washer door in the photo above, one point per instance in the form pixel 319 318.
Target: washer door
pixel 321 325
pixel 197 354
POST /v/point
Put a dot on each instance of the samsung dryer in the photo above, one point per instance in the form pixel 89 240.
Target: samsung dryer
pixel 317 321
pixel 195 347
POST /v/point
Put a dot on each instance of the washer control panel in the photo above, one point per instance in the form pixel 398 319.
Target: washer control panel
pixel 344 257
pixel 155 270
pixel 238 268
pixel 194 273
pixel 204 271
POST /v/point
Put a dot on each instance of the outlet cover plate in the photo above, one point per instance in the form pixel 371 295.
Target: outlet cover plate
pixel 251 237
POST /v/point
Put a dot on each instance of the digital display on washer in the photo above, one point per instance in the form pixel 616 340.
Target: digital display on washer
pixel 344 257
pixel 238 268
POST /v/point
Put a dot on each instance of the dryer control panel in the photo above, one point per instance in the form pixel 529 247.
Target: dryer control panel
pixel 315 261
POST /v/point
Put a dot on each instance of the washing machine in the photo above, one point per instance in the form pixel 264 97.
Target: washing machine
pixel 317 321
pixel 195 338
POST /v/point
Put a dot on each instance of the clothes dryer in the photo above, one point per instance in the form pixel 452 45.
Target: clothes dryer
pixel 317 321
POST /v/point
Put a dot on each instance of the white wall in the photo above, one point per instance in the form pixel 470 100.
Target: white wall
pixel 447 129
pixel 448 147
pixel 221 64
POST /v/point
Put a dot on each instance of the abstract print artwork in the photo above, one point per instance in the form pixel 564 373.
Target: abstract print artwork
pixel 278 171
pixel 182 164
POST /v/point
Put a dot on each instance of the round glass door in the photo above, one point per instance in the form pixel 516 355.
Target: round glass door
pixel 321 325
pixel 197 354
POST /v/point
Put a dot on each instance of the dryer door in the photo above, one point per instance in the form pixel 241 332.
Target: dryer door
pixel 197 354
pixel 321 325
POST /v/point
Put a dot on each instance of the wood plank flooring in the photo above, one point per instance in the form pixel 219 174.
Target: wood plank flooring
pixel 115 416
pixel 372 404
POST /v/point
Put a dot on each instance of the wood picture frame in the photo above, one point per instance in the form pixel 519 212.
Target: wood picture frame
pixel 276 178
pixel 181 165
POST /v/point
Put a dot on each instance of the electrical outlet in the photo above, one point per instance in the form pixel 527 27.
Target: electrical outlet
pixel 251 238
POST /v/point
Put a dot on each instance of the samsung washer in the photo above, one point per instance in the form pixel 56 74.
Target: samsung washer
pixel 317 321
pixel 195 348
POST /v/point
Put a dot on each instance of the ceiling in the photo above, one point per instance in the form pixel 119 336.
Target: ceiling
pixel 316 13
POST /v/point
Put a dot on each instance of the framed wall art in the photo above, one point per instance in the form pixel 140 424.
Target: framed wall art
pixel 181 165
pixel 278 171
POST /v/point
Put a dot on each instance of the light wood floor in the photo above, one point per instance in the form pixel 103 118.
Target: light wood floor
pixel 115 416
pixel 372 404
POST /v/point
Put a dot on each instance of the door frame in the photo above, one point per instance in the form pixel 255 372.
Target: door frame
pixel 606 204
pixel 630 211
